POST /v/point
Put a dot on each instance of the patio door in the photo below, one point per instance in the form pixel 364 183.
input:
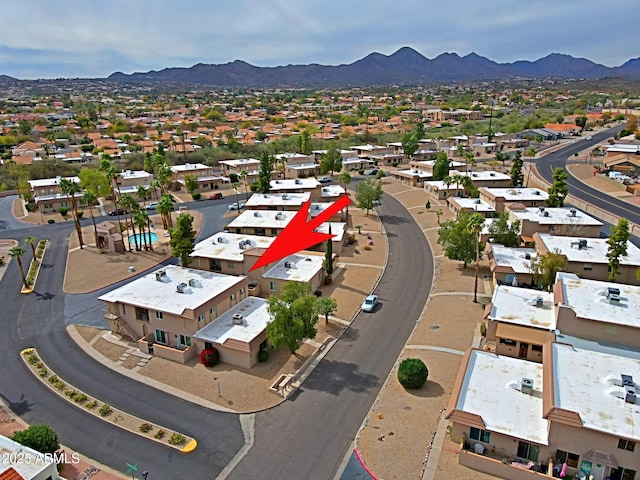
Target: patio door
pixel 524 350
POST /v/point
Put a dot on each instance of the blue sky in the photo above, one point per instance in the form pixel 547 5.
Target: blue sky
pixel 87 38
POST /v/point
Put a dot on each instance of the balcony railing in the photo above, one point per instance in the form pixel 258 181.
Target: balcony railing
pixel 503 466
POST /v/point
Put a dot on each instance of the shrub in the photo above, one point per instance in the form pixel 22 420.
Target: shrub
pixel 92 404
pixel 361 171
pixel 263 356
pixel 70 393
pixel 209 357
pixel 80 397
pixel 39 365
pixel 33 359
pixel 159 434
pixel 177 439
pixel 31 207
pixel 53 379
pixel 39 437
pixel 483 329
pixel 63 211
pixel 50 221
pixel 60 385
pixel 43 372
pixel 394 164
pixel 196 195
pixel 105 410
pixel 380 174
pixel 29 280
pixel 145 427
pixel 412 373
pixel 367 247
pixel 80 213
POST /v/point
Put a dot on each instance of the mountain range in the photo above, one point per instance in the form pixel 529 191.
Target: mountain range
pixel 404 67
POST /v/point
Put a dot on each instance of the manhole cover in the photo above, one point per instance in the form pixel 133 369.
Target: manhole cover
pixel 435 327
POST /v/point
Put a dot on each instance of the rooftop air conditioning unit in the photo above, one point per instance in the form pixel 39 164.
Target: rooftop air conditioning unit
pixel 316 207
pixel 194 282
pixel 287 264
pixel 582 243
pixel 614 298
pixel 238 319
pixel 613 291
pixel 541 209
pixel 491 174
pixel 257 214
pixel 297 181
pixel 546 214
pixel 526 386
pixel 527 256
pixel 539 302
pixel 285 197
pixel 572 212
pixel 181 287
pixel 161 276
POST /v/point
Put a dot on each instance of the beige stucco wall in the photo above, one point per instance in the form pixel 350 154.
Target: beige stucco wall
pixel 600 331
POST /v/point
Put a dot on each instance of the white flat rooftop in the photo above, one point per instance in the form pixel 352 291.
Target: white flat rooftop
pixel 588 299
pixel 135 174
pixel 589 383
pixel 517 306
pixel 147 292
pixel 24 460
pixel 414 173
pixel 491 389
pixel 277 200
pixel 518 194
pixel 303 166
pixel 329 191
pixel 262 219
pixel 472 204
pixel 296 268
pixel 316 209
pixel 440 185
pixel 595 251
pixel 50 182
pixel 514 258
pixel 229 246
pixel 337 228
pixel 481 175
pixel 255 318
pixel 241 162
pixel 281 156
pixel 294 184
pixel 352 161
pixel 187 167
pixel 430 163
pixel 555 216
pixel 624 148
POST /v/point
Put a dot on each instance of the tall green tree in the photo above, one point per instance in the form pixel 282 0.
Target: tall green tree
pixel 130 205
pixel 326 306
pixel 409 144
pixel 95 181
pixel 70 188
pixel 191 182
pixel 183 239
pixel 516 173
pixel 331 161
pixel 368 194
pixel 17 252
pixel 41 438
pixel 304 143
pixel 31 241
pixel 141 220
pixel 559 190
pixel 111 173
pixel 617 242
pixel 545 267
pixel 294 316
pixel 441 166
pixel 328 255
pixel 581 122
pixel 456 239
pixel 264 176
pixel 89 199
pixel 504 233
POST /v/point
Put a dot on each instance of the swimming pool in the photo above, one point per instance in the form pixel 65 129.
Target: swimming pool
pixel 154 238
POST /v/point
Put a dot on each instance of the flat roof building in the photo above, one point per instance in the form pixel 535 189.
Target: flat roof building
pixel 556 221
pixel 499 198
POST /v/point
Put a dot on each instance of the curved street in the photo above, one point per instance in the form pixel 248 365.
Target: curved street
pixel 305 437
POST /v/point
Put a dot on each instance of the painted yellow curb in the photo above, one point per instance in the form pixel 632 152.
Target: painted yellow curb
pixel 190 447
pixel 26 290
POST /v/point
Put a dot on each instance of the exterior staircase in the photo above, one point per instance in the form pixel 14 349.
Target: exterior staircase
pixel 127 329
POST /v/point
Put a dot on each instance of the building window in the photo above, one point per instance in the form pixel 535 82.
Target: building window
pixel 201 317
pixel 161 337
pixel 623 474
pixel 233 296
pixel 626 445
pixel 528 451
pixel 587 266
pixel 159 315
pixel 274 231
pixel 242 291
pixel 142 314
pixel 536 348
pixel 231 264
pixel 273 287
pixel 185 341
pixel 571 459
pixel 480 435
pixel 212 311
pixel 508 342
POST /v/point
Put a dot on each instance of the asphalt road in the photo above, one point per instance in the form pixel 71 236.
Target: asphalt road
pixel 547 164
pixel 308 436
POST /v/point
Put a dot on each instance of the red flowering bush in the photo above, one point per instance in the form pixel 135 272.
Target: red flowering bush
pixel 209 357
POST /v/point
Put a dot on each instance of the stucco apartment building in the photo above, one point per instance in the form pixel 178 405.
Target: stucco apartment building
pixel 572 399
pixel 570 222
pixel 510 265
pixel 587 257
pixel 500 198
pixel 47 194
pixel 297 185
pixel 439 115
pixel 162 310
pixel 128 181
pixel 207 178
pixel 471 205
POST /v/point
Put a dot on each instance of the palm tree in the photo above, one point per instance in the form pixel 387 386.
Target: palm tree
pixel 17 252
pixel 475 227
pixel 70 188
pixel 344 179
pixel 243 175
pixel 235 186
pixel 165 207
pixel 112 173
pixel 90 199
pixel 155 186
pixel 470 159
pixel 31 241
pixel 141 219
pixel 143 194
pixel 164 177
pixel 129 204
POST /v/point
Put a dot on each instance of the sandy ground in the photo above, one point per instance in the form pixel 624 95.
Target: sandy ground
pixel 113 267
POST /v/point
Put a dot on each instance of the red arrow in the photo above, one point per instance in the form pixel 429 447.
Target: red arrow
pixel 299 234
